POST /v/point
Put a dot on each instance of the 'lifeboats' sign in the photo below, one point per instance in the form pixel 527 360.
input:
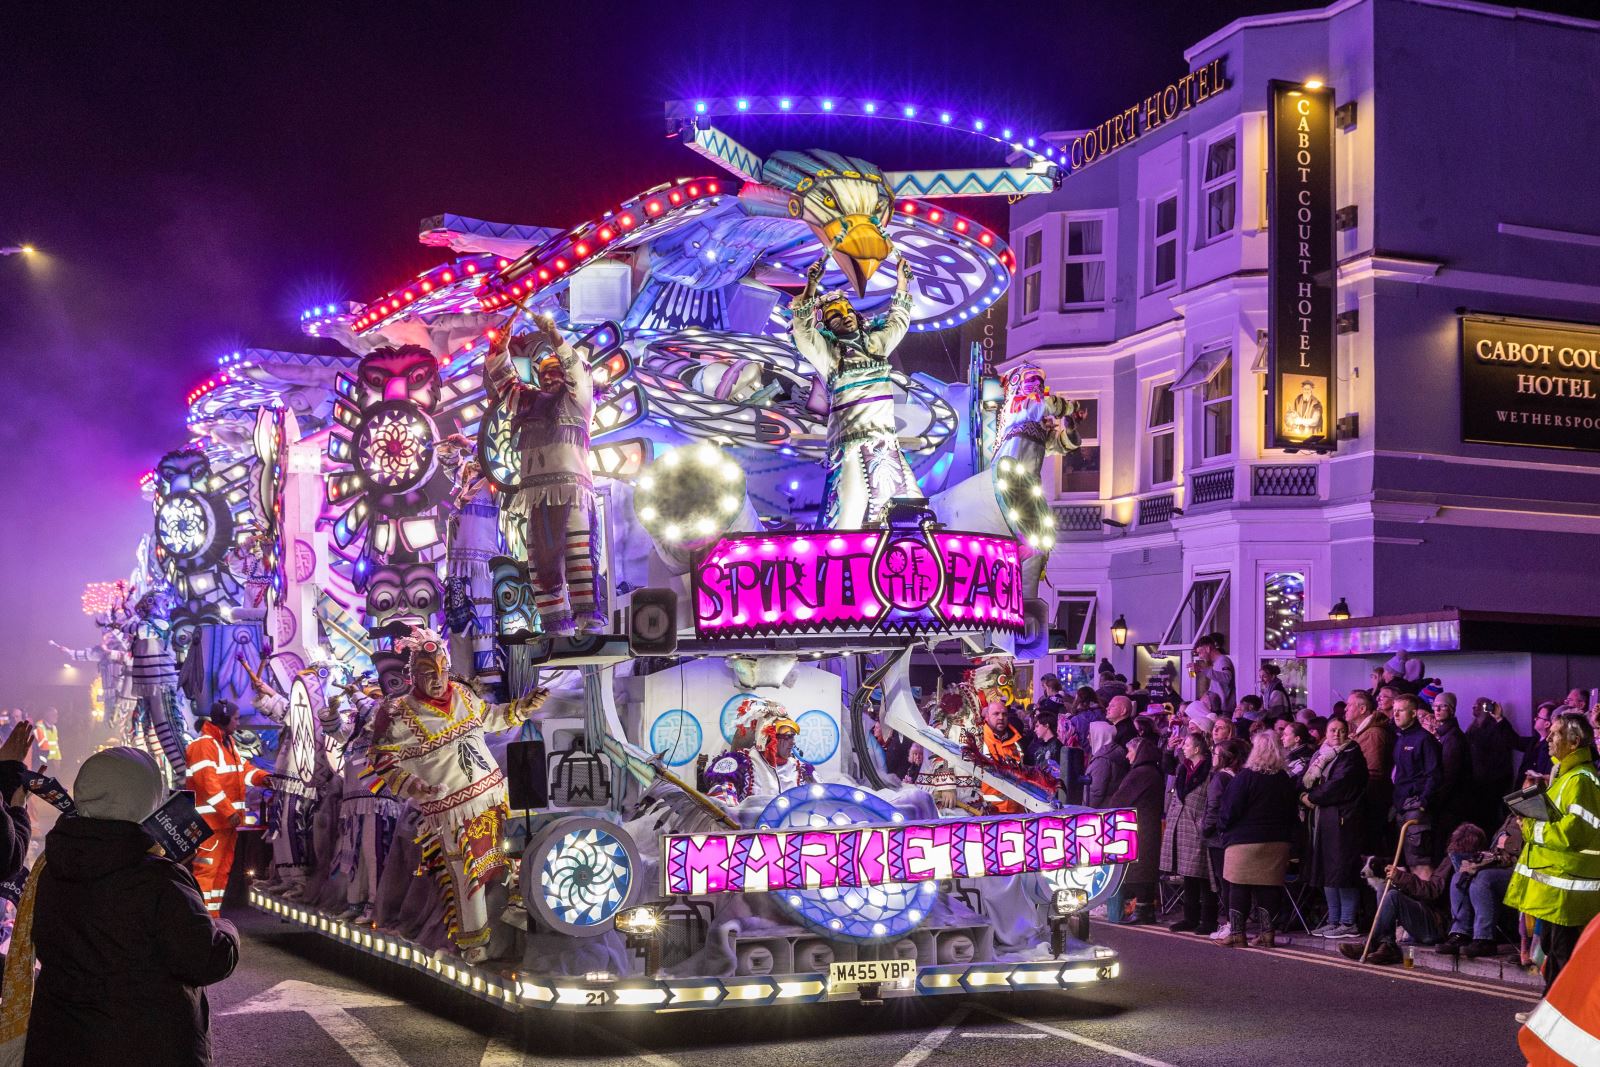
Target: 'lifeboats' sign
pixel 768 861
pixel 1300 266
pixel 1530 383
pixel 821 581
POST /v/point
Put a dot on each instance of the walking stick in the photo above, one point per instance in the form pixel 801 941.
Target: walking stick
pixel 1387 883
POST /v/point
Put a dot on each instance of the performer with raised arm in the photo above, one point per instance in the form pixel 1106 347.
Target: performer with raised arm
pixel 555 500
pixel 866 468
pixel 295 796
pixel 429 745
pixel 368 811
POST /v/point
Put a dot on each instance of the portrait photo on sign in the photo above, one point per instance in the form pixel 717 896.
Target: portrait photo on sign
pixel 1305 405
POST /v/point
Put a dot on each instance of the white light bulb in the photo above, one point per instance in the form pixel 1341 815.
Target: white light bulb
pixel 1015 514
pixel 647 514
pixel 672 531
pixel 1036 490
pixel 708 455
pixel 646 483
pixel 704 526
pixel 729 504
pixel 670 459
pixel 1050 521
pixel 999 483
pixel 730 472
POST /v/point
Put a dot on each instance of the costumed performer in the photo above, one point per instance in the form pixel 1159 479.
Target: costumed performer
pixel 473 538
pixel 429 745
pixel 866 469
pixel 290 823
pixel 736 775
pixel 368 811
pixel 219 777
pixel 555 500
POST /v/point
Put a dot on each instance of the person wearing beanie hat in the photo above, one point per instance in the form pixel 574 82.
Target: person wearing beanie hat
pixel 121 934
pixel 219 777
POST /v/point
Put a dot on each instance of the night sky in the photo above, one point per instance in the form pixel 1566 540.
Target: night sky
pixel 196 176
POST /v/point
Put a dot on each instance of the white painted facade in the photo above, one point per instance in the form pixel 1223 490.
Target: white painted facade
pixel 1472 188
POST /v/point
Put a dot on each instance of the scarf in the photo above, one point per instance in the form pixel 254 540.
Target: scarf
pixel 18 1003
pixel 1190 775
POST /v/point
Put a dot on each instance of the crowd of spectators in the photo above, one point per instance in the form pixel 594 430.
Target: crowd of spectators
pixel 1237 796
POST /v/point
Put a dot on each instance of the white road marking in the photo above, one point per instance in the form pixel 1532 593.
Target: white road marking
pixel 328 1008
pixel 935 1038
pixel 1306 955
pixel 999 1034
pixel 1068 1035
pixel 617 1039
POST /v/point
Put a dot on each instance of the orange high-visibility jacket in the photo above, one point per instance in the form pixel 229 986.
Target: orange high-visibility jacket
pixel 1564 1029
pixel 219 776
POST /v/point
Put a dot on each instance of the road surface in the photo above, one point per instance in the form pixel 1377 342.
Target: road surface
pixel 298 1001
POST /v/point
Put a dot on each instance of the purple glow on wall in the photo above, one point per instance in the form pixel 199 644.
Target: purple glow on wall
pixel 767 861
pixel 818 581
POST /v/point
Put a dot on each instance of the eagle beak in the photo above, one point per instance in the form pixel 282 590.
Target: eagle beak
pixel 859 247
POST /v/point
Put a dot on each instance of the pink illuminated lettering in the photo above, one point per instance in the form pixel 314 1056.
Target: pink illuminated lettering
pixel 756 584
pixel 769 861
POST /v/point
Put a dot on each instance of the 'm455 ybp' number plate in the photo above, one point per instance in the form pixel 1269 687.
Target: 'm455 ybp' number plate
pixel 870 972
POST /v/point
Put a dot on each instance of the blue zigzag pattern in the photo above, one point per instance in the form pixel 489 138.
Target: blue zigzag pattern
pixel 730 153
pixel 970 183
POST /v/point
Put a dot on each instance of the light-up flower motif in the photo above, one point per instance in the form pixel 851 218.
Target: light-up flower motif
pixel 182 526
pixel 579 874
pixel 385 436
pixel 395 446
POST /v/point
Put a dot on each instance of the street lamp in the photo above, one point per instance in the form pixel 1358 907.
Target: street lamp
pixel 1119 631
pixel 16 250
pixel 1341 610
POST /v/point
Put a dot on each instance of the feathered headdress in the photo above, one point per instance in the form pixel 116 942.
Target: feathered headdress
pixel 423 641
pixel 767 718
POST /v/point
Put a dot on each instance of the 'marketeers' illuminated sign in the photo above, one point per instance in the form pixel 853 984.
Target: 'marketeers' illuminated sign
pixel 1125 126
pixel 904 580
pixel 768 861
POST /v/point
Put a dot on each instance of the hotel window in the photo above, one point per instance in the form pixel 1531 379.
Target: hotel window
pixel 1162 427
pixel 1075 617
pixel 1283 609
pixel 1084 266
pixel 1219 188
pixel 1032 271
pixel 1204 610
pixel 1164 244
pixel 1216 424
pixel 1080 468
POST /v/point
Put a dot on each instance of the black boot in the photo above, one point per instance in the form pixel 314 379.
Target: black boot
pixel 1191 911
pixel 1266 938
pixel 1208 913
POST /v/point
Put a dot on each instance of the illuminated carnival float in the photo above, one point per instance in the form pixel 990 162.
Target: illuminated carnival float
pixel 575 603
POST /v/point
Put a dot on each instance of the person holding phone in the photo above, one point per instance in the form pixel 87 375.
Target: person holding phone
pixel 1492 747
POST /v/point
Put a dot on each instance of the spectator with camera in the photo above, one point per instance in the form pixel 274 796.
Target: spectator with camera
pixel 1477 891
pixel 1492 745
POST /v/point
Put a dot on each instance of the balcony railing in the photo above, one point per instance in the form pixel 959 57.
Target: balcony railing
pixel 1283 480
pixel 1211 487
pixel 1078 519
pixel 1155 510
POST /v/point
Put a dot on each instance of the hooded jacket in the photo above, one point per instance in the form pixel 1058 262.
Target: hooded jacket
pixel 124 943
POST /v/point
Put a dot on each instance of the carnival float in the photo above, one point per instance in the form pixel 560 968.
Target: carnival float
pixel 573 605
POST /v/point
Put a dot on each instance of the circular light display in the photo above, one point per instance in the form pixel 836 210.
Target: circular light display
pixel 818 739
pixel 184 524
pixel 579 873
pixel 870 914
pixel 395 446
pixel 688 497
pixel 677 736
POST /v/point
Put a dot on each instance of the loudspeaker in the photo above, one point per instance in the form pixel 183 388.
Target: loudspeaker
pixel 1034 640
pixel 653 622
pixel 527 775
